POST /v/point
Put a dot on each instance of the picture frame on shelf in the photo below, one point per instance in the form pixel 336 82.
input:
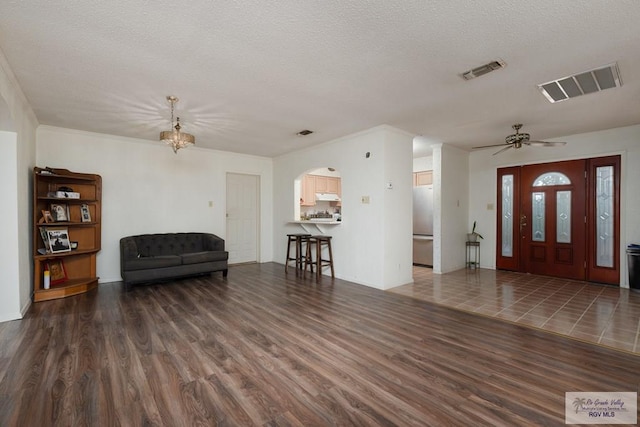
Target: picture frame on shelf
pixel 85 213
pixel 60 212
pixel 48 218
pixel 45 238
pixel 58 240
pixel 57 272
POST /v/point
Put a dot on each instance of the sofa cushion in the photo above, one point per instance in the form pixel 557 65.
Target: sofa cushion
pixel 207 256
pixel 144 263
pixel 169 243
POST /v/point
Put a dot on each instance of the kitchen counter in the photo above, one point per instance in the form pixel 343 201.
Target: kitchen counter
pixel 327 221
pixel 310 226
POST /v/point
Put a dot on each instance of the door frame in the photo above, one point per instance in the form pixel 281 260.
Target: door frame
pixel 593 272
pixel 257 212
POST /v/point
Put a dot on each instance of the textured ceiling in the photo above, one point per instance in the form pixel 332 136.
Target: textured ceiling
pixel 250 74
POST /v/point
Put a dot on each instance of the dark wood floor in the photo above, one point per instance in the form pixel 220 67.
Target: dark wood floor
pixel 262 348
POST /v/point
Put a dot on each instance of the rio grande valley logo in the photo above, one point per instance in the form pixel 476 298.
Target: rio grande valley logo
pixel 601 408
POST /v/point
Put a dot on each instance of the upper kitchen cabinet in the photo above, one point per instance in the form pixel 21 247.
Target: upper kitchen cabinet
pixel 327 184
pixel 422 178
pixel 320 185
pixel 314 186
pixel 308 191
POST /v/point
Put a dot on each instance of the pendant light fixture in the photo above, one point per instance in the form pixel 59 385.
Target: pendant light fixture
pixel 174 137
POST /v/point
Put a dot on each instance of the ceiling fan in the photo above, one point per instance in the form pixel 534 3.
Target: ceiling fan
pixel 518 139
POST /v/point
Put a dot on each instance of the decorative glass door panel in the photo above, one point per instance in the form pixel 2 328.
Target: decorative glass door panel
pixel 563 217
pixel 604 216
pixel 537 217
pixel 507 215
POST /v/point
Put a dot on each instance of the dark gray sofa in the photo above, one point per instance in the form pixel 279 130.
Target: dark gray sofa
pixel 151 257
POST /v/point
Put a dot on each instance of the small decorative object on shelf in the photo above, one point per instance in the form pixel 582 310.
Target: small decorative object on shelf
pixel 473 236
pixel 48 218
pixel 60 212
pixel 57 272
pixel 67 222
pixel 47 279
pixel 85 214
pixel 58 239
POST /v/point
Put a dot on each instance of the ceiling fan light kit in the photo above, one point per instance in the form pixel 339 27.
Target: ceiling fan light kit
pixel 518 139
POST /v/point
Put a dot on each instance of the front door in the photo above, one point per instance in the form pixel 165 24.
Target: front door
pixel 552 220
pixel 561 219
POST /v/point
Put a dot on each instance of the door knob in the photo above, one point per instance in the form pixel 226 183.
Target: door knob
pixel 523 222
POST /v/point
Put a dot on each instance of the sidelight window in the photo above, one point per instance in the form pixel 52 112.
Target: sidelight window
pixel 507 215
pixel 604 216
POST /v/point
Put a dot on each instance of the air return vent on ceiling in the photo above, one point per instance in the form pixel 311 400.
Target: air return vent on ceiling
pixel 483 69
pixel 582 83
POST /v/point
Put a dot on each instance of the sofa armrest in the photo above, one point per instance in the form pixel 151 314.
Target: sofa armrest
pixel 128 248
pixel 211 242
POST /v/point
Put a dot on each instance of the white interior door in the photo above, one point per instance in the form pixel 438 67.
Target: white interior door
pixel 242 217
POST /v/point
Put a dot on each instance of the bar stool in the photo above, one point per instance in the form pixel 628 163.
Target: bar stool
pixel 300 257
pixel 318 242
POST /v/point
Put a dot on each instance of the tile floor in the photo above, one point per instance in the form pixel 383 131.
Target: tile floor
pixel 605 315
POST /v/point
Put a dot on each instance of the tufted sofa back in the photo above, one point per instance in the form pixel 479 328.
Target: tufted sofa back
pixel 172 244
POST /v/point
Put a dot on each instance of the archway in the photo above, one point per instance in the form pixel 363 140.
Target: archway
pixel 318 195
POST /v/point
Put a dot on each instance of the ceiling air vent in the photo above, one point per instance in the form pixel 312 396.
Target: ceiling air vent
pixel 483 69
pixel 583 83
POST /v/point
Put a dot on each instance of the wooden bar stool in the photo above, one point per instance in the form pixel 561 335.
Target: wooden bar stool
pixel 300 256
pixel 317 242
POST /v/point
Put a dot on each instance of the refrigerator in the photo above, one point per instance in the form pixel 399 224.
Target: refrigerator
pixel 423 225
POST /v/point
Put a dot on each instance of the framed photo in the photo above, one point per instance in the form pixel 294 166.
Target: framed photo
pixel 44 237
pixel 58 240
pixel 60 212
pixel 48 218
pixel 85 214
pixel 57 272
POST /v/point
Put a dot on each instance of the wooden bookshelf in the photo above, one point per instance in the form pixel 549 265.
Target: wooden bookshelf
pixel 79 222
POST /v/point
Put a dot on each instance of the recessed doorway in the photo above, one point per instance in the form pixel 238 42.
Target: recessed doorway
pixel 561 219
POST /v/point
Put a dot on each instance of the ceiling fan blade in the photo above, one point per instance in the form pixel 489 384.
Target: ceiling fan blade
pixel 504 149
pixel 545 143
pixel 489 146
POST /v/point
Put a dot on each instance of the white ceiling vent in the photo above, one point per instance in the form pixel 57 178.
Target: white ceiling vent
pixel 483 69
pixel 583 83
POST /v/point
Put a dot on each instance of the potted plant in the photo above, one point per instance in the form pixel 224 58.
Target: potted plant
pixel 473 236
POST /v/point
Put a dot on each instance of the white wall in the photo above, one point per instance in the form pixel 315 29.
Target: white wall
pixel 19 149
pixel 450 216
pixel 482 181
pixel 398 205
pixel 146 188
pixel 423 164
pixel 9 256
pixel 372 246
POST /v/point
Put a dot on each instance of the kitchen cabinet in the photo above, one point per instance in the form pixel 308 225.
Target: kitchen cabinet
pixel 312 184
pixel 333 185
pixel 321 183
pixel 422 178
pixel 327 184
pixel 308 191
